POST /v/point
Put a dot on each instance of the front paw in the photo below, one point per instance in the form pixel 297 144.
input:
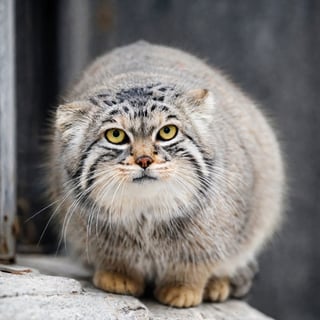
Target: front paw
pixel 217 289
pixel 115 282
pixel 179 295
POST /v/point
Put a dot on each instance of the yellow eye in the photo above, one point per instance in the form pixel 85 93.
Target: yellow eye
pixel 167 132
pixel 116 136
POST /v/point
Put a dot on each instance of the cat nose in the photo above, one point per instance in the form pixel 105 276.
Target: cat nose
pixel 144 161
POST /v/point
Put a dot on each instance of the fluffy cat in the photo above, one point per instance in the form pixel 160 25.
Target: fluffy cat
pixel 164 172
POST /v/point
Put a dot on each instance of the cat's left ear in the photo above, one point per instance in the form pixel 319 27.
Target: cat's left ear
pixel 200 101
pixel 72 118
pixel 71 114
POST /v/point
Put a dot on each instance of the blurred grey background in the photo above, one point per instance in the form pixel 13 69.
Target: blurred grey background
pixel 270 48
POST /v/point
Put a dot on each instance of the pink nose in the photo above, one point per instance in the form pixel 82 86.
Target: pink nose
pixel 144 161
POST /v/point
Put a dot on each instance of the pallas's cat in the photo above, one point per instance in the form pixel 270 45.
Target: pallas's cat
pixel 164 173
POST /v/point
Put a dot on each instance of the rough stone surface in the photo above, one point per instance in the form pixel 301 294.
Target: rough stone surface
pixel 84 306
pixel 30 283
pixel 27 294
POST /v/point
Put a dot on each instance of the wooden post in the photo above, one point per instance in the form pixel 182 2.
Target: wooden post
pixel 7 133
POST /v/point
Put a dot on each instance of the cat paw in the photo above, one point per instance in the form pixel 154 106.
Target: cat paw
pixel 242 281
pixel 217 289
pixel 179 295
pixel 115 282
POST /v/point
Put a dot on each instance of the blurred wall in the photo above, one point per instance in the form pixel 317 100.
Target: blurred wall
pixel 270 48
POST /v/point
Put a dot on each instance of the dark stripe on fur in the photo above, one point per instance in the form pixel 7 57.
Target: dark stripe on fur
pixel 90 175
pixel 204 186
pixel 115 150
pixel 172 147
pixel 125 109
pixel 84 156
pixel 114 112
pixel 90 179
pixel 171 116
pixel 109 120
pixel 94 101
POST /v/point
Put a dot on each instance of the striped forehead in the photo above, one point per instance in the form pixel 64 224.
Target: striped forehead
pixel 140 110
pixel 144 120
pixel 136 97
pixel 138 104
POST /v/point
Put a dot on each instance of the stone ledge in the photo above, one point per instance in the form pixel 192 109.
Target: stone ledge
pixel 25 293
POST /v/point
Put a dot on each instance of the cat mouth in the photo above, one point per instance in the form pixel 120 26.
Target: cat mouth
pixel 143 178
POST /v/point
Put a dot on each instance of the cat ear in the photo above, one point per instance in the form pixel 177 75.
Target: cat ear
pixel 70 114
pixel 200 100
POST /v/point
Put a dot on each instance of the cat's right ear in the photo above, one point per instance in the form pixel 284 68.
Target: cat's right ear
pixel 71 114
pixel 200 100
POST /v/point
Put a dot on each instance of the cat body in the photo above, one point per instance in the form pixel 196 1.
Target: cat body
pixel 164 172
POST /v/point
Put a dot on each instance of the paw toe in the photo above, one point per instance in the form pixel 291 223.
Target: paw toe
pixel 117 283
pixel 218 290
pixel 180 296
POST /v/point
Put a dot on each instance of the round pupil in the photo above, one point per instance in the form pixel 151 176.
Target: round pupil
pixel 116 133
pixel 166 130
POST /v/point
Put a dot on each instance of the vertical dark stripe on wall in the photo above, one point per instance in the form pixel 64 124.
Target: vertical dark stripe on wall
pixel 36 80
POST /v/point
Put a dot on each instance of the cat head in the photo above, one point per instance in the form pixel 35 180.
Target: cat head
pixel 137 149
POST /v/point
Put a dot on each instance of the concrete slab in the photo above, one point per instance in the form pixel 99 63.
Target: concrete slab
pixel 26 293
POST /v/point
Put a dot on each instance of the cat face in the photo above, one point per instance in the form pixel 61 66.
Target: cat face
pixel 136 147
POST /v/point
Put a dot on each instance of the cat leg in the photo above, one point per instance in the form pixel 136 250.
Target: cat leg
pixel 182 286
pixel 219 289
pixel 119 282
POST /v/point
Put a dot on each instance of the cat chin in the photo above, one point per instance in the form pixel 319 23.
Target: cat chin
pixel 155 199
